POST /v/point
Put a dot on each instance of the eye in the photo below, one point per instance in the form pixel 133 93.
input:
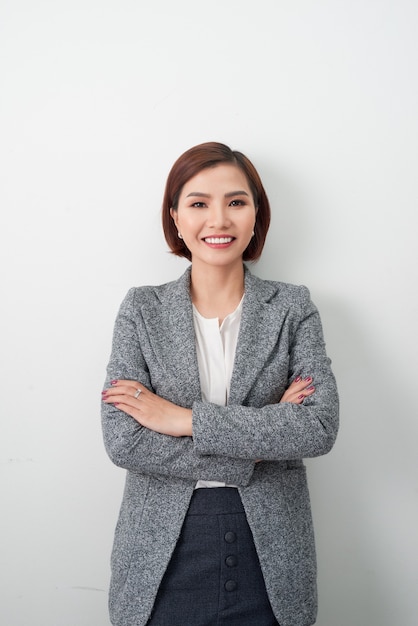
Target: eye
pixel 237 203
pixel 198 205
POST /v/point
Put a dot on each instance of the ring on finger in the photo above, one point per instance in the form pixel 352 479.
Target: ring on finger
pixel 137 393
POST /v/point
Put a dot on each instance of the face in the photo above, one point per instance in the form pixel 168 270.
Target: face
pixel 216 215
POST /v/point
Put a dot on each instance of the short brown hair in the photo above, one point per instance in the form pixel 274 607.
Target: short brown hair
pixel 191 163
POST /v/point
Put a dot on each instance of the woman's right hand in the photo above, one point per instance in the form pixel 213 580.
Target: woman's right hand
pixel 298 390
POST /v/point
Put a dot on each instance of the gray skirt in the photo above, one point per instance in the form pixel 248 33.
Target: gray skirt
pixel 214 576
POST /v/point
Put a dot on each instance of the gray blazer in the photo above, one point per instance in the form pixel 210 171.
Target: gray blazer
pixel 280 338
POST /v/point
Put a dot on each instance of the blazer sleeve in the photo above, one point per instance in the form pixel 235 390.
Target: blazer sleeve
pixel 280 431
pixel 134 447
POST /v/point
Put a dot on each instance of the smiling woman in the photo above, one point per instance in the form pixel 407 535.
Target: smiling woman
pixel 218 385
pixel 201 159
pixel 216 223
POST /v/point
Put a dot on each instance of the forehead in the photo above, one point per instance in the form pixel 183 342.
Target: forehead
pixel 223 177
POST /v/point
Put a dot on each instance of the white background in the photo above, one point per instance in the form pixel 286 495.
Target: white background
pixel 98 98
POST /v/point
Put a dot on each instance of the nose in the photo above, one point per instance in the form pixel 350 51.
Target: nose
pixel 218 217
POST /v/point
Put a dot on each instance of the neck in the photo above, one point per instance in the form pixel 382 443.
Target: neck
pixel 217 291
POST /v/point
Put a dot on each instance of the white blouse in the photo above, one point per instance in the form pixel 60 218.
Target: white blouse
pixel 215 346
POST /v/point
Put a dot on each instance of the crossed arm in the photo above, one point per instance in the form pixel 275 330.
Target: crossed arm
pixel 167 418
pixel 147 433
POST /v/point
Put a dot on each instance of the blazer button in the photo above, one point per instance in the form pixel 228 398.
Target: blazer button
pixel 231 560
pixel 230 585
pixel 230 537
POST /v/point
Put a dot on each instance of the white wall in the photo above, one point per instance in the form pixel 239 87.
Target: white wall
pixel 98 98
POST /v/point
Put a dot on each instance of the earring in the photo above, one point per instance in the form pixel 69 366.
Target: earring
pixel 252 234
pixel 179 235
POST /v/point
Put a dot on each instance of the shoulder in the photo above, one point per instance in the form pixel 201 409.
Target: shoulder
pixel 164 294
pixel 277 292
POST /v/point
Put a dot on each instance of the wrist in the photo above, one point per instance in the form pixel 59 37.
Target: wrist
pixel 187 425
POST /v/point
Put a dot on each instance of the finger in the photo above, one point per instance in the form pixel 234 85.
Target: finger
pixel 120 391
pixel 130 395
pixel 128 387
pixel 125 383
pixel 300 383
pixel 297 395
pixel 124 402
pixel 297 386
pixel 308 391
pixel 293 399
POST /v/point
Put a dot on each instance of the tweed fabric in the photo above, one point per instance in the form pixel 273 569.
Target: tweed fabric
pixel 280 338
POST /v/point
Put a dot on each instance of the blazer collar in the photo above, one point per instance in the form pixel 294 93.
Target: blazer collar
pixel 260 327
pixel 170 324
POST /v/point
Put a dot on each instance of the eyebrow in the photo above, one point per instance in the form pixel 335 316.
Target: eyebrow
pixel 199 194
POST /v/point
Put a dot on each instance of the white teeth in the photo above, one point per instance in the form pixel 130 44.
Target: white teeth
pixel 217 240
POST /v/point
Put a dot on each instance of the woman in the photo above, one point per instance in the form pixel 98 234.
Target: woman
pixel 218 385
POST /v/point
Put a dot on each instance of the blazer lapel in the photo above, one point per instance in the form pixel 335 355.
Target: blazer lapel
pixel 170 328
pixel 169 325
pixel 261 324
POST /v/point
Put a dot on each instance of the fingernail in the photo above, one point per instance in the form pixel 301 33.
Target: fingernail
pixel 297 379
pixel 308 379
pixel 104 392
pixel 301 396
pixel 113 382
pixel 310 388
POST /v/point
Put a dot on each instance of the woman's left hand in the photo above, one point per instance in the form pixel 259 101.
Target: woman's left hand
pixel 148 409
pixel 298 390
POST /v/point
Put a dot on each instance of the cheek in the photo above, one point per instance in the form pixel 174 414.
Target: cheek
pixel 249 220
pixel 188 222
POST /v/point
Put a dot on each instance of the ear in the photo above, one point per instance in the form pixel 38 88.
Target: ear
pixel 174 216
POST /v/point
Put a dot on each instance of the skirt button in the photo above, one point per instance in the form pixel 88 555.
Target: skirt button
pixel 230 585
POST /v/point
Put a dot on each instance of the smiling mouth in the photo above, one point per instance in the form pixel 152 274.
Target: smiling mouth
pixel 218 240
